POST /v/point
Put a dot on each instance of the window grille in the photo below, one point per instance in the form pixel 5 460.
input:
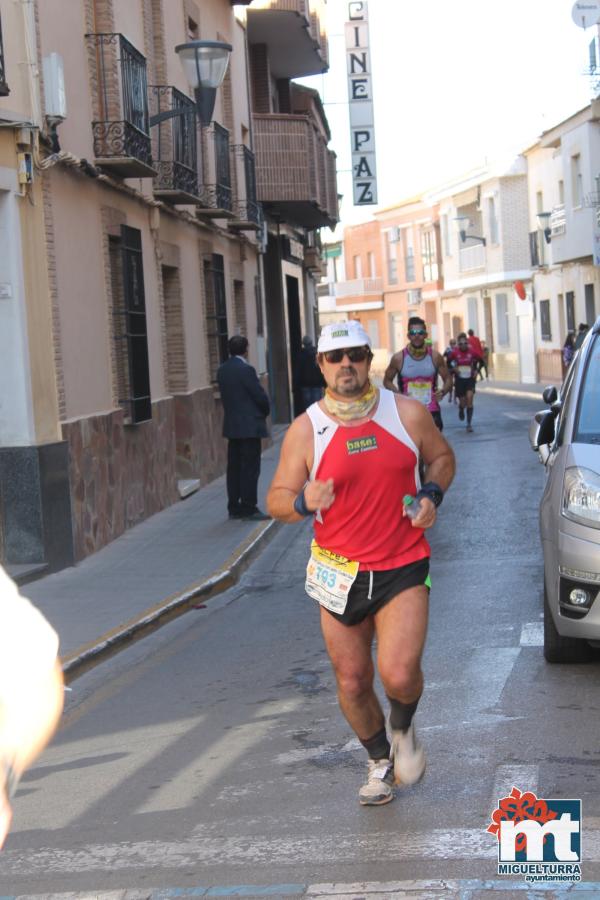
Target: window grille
pixel 129 305
pixel 216 313
pixel 545 324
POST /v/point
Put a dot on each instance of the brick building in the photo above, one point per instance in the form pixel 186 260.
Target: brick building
pixel 145 240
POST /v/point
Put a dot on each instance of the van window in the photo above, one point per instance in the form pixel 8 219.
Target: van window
pixel 587 430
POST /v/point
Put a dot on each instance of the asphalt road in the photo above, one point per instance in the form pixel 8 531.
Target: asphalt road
pixel 213 753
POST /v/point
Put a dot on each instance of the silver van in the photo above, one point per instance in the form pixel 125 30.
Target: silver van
pixel 567 438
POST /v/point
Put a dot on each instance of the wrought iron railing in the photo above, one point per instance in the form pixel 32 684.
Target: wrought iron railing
pixel 558 220
pixel 174 143
pixel 4 89
pixel 247 208
pixel 216 192
pixel 121 127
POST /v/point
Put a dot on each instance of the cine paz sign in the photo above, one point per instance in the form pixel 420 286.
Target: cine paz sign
pixel 360 101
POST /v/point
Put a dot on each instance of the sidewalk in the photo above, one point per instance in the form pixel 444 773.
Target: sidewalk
pixel 158 569
pixel 512 389
pixel 153 572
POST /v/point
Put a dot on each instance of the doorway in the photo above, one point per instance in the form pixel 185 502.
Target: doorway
pixel 292 290
pixel 489 323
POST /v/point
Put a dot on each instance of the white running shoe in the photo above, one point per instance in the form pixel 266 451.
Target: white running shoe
pixel 377 789
pixel 408 757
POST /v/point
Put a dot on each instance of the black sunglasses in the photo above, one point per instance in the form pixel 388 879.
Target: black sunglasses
pixel 413 331
pixel 354 354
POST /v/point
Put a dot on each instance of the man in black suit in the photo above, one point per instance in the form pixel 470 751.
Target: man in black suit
pixel 246 407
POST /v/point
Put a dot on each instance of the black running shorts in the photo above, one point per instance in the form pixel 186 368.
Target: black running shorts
pixel 462 385
pixel 383 587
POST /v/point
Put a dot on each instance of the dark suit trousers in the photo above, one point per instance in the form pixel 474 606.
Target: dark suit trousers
pixel 243 469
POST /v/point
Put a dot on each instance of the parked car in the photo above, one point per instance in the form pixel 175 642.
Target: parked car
pixel 567 438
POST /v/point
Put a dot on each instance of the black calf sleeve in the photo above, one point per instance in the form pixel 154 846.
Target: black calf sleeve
pixel 401 714
pixel 469 414
pixel 378 746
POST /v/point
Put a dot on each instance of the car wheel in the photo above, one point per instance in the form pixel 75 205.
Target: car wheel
pixel 559 649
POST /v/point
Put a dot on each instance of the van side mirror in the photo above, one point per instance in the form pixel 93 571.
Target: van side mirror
pixel 550 395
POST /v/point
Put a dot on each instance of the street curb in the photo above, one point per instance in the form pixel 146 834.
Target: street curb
pixel 528 395
pixel 89 655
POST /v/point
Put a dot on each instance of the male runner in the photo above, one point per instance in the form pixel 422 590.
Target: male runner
pixel 348 462
pixel 465 364
pixel 417 367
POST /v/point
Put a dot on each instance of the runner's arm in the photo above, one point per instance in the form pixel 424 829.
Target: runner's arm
pixel 442 367
pixel 436 452
pixel 390 373
pixel 292 474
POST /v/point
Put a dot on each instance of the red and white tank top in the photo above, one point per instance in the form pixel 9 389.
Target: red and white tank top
pixel 464 362
pixel 373 466
pixel 417 379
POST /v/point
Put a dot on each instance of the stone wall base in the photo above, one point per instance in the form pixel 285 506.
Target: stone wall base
pixel 120 474
pixel 201 451
pixel 35 506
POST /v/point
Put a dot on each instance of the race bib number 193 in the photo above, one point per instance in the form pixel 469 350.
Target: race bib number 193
pixel 329 578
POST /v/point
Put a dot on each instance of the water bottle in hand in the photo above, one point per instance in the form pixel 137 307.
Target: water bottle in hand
pixel 412 506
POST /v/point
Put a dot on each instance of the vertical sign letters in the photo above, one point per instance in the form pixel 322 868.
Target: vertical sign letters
pixel 360 101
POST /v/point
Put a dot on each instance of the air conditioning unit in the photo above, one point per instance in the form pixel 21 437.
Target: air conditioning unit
pixel 414 297
pixel 394 234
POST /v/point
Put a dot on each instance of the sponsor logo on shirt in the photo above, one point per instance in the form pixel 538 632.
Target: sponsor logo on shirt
pixel 361 445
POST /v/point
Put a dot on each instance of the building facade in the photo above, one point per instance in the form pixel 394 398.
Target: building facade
pixel 564 203
pixel 145 241
pixel 296 176
pixel 484 225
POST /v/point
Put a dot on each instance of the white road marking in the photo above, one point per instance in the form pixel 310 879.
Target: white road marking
pixel 183 788
pixel 201 850
pixel 117 755
pixel 486 682
pixel 532 634
pixel 453 889
pixel 526 778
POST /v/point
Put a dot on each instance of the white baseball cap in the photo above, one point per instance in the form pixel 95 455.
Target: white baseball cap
pixel 338 335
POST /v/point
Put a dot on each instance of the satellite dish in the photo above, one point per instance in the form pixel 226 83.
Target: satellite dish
pixel 586 13
pixel 520 290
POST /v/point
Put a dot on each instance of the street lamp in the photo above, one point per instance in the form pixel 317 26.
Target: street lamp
pixel 544 223
pixel 463 223
pixel 204 64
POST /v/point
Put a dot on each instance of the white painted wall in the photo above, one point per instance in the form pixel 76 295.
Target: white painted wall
pixel 16 413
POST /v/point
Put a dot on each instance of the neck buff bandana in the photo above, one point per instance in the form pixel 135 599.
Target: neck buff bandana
pixel 351 409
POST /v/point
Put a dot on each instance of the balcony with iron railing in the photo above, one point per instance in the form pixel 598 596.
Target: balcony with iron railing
pixel 359 287
pixel 295 172
pixel 558 220
pixel 120 127
pixel 216 190
pixel 471 258
pixel 293 33
pixel 4 89
pixel 174 146
pixel 246 209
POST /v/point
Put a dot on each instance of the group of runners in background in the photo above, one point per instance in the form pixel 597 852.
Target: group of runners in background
pixel 416 370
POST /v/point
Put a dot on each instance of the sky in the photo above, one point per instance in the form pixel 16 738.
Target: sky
pixel 455 83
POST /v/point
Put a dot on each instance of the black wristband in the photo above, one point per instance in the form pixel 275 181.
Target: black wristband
pixel 433 492
pixel 300 505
